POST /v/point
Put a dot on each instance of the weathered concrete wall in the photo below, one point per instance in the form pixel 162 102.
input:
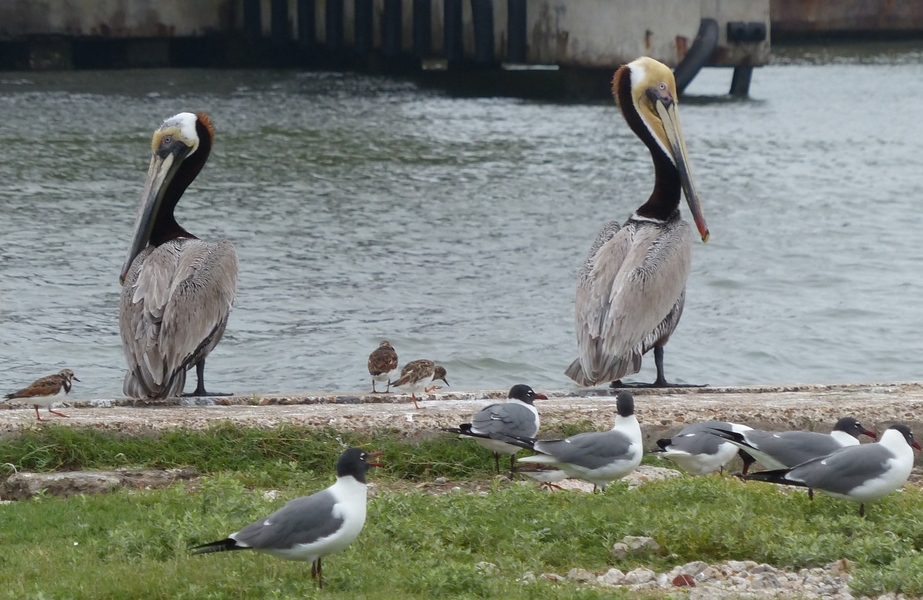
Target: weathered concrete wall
pixel 572 33
pixel 114 18
pixel 803 17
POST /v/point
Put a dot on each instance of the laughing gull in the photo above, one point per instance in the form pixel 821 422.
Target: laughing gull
pixel 310 527
pixel 516 418
pixel 699 451
pixel 784 449
pixel 599 457
pixel 859 473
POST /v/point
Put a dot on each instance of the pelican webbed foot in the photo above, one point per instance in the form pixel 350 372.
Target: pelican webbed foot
pixel 200 390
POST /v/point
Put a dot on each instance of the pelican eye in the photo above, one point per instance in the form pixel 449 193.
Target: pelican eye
pixel 166 140
pixel 662 86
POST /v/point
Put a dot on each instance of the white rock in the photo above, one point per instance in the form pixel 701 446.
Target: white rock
pixel 580 575
pixel 640 575
pixel 611 577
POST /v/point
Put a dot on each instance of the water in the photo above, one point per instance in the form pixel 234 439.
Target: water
pixel 365 208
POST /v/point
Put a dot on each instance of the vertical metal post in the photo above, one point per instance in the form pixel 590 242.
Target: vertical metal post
pixel 363 22
pixel 334 25
pixel 391 30
pixel 516 32
pixel 253 24
pixel 454 43
pixel 422 28
pixel 740 82
pixel 278 21
pixel 482 13
pixel 307 25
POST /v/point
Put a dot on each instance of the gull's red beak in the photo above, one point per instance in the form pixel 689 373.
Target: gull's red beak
pixel 375 455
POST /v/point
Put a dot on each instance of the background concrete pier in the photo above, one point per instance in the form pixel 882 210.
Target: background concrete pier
pixel 429 34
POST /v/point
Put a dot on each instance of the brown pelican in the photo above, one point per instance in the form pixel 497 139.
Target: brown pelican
pixel 631 289
pixel 178 289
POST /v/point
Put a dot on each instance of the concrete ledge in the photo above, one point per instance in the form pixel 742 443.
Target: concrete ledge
pixel 661 412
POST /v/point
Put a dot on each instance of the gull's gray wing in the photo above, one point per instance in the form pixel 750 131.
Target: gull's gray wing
pixel 508 418
pixel 792 447
pixel 845 469
pixel 590 450
pixel 302 521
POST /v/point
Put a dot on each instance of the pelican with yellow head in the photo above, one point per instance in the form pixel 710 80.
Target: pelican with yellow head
pixel 632 286
pixel 177 289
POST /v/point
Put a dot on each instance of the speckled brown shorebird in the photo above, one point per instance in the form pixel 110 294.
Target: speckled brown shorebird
pixel 417 375
pixel 46 391
pixel 382 364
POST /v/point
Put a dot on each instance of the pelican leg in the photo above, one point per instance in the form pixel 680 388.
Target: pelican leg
pixel 200 383
pixel 660 382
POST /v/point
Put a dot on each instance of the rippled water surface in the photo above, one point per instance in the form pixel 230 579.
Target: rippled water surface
pixel 366 208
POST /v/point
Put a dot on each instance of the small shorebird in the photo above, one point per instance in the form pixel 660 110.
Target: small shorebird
pixel 310 527
pixel 46 391
pixel 382 364
pixel 417 375
pixel 517 417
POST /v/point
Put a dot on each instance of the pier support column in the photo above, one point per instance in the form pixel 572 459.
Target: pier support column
pixel 454 42
pixel 391 30
pixel 740 82
pixel 482 13
pixel 422 28
pixel 516 31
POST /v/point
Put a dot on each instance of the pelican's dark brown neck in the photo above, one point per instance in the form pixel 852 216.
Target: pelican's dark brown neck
pixel 664 200
pixel 166 228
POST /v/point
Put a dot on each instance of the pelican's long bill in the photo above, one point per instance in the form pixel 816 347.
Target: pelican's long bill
pixel 159 174
pixel 665 108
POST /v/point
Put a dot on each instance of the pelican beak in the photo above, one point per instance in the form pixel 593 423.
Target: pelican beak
pixel 163 167
pixel 665 107
pixel 375 455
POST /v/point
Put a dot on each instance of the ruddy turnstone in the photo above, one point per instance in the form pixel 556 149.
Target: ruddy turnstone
pixel 382 364
pixel 46 391
pixel 310 527
pixel 417 375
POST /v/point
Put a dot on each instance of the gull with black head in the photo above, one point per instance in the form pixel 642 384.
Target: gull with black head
pixel 860 473
pixel 516 418
pixel 598 457
pixel 310 527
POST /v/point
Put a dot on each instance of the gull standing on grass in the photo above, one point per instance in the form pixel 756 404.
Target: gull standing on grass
pixel 859 473
pixel 517 417
pixel 310 527
pixel 598 457
pixel 784 449
pixel 698 450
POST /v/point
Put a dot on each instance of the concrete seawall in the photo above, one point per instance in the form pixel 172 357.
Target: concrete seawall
pixel 662 413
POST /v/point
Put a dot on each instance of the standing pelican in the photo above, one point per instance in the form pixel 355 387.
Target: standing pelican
pixel 631 289
pixel 177 289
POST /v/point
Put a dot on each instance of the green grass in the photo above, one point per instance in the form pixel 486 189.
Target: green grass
pixel 133 544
